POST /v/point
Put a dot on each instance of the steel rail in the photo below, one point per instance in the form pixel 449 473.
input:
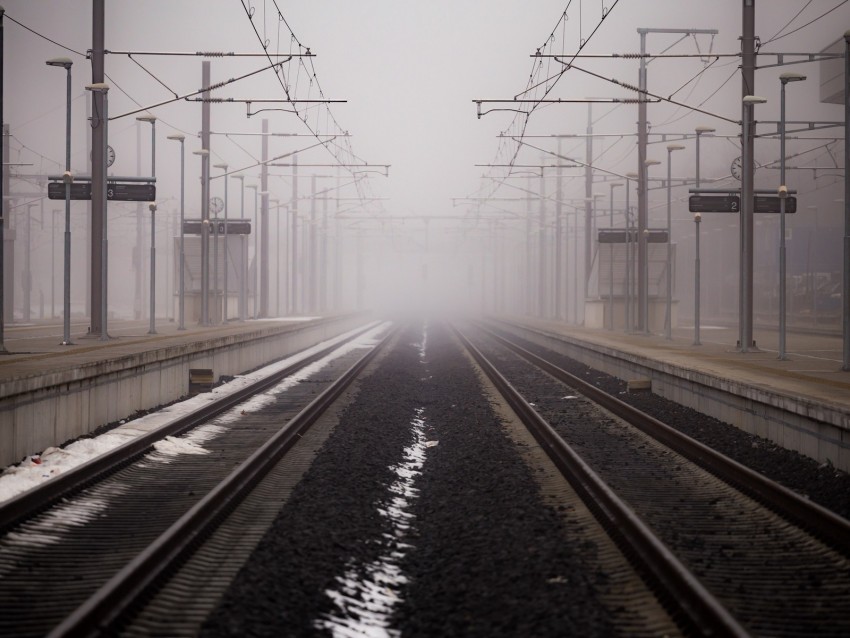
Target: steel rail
pixel 815 519
pixel 693 603
pixel 37 499
pixel 120 595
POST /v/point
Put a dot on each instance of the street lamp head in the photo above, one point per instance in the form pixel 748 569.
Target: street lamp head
pixel 221 166
pixel 202 152
pixel 98 87
pixel 632 175
pixel 675 147
pixel 146 118
pixel 264 193
pixel 704 129
pixel 239 177
pixel 651 162
pixel 790 76
pixel 65 63
pixel 753 99
pixel 177 136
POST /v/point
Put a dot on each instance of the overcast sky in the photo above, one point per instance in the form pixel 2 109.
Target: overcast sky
pixel 409 72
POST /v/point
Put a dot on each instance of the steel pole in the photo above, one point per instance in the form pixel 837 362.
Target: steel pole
pixel 182 302
pixel 697 219
pixel 152 330
pixel 845 324
pixel 3 206
pixel 226 253
pixel 104 244
pixel 66 294
pixel 782 269
pixel 748 62
pixel 611 263
pixel 256 257
pixel 628 224
pixel 668 309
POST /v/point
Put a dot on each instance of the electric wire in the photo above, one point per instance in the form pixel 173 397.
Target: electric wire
pixel 810 22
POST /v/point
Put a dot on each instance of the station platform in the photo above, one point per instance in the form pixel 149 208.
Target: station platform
pixel 52 393
pixel 801 402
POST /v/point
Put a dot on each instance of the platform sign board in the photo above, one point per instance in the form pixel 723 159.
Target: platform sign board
pixel 619 236
pixel 234 226
pixel 770 204
pixel 714 204
pixel 115 191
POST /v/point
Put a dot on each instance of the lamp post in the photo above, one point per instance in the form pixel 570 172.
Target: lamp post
pixel 668 313
pixel 745 311
pixel 68 178
pixel 226 251
pixel 611 264
pixel 255 188
pixel 152 120
pixel 700 130
pixel 784 79
pixel 181 322
pixel 100 87
pixel 243 297
pixel 643 276
pixel 204 154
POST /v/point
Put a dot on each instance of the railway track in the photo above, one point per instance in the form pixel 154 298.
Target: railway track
pixel 80 551
pixel 745 554
pixel 429 502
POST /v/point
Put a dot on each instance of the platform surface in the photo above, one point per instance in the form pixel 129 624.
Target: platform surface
pixel 36 348
pixel 811 370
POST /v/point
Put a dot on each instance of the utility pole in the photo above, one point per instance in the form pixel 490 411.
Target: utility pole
pixel 8 254
pixel 642 186
pixel 264 225
pixel 293 239
pixel 4 190
pixel 323 261
pixel 98 173
pixel 205 196
pixel 311 261
pixel 748 63
pixel 588 197
pixel 558 240
pixel 138 302
pixel 541 248
pixel 528 251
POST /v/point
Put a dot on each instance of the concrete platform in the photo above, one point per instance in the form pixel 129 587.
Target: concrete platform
pixel 801 403
pixel 50 393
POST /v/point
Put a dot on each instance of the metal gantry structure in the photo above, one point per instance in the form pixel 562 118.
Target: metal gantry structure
pixel 750 197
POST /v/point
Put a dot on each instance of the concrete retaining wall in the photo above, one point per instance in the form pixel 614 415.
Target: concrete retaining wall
pixel 40 411
pixel 817 430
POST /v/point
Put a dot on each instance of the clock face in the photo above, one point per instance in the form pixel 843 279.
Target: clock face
pixel 216 205
pixel 737 168
pixel 110 156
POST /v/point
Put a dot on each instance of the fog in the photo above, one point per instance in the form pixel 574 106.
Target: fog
pixel 407 201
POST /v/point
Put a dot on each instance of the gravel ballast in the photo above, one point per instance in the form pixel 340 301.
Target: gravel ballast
pixel 418 517
pixel 820 482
